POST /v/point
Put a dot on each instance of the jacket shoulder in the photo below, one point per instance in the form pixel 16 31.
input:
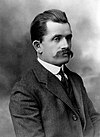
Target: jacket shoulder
pixel 25 83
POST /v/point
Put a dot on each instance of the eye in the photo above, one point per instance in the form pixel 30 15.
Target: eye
pixel 57 38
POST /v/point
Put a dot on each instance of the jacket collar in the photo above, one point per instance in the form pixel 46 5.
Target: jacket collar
pixel 40 72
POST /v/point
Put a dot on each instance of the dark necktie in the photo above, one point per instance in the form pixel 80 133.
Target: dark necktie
pixel 66 85
pixel 64 80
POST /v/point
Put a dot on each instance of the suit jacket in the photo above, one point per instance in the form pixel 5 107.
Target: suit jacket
pixel 40 107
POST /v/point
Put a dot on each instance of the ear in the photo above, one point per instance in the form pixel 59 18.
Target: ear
pixel 37 46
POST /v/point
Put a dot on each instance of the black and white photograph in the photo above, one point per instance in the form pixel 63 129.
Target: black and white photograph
pixel 50 68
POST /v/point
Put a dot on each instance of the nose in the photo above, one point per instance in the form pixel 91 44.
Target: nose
pixel 64 43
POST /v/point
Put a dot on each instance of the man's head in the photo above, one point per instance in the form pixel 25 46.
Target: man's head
pixel 51 37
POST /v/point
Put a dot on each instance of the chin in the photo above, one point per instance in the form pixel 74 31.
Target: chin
pixel 65 60
pixel 62 61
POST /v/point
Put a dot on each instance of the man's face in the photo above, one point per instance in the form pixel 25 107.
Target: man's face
pixel 55 43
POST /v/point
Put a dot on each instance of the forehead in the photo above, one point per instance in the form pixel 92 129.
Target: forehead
pixel 54 28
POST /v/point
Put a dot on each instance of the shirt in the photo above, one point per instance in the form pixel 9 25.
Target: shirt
pixel 52 68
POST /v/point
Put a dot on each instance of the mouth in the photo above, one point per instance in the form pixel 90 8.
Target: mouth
pixel 65 54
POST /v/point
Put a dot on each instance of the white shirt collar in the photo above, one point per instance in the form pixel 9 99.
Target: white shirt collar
pixel 50 67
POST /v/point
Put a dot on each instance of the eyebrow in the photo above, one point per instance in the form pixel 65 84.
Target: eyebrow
pixel 56 35
pixel 59 35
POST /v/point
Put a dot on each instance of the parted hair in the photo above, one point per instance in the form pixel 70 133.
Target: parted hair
pixel 38 26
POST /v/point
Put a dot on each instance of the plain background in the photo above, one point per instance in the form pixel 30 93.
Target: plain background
pixel 17 54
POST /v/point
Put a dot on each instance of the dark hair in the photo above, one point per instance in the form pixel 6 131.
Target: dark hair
pixel 38 26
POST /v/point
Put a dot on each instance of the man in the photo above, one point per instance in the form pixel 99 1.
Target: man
pixel 50 100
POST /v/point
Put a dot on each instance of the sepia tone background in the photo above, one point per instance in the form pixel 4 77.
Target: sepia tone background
pixel 17 54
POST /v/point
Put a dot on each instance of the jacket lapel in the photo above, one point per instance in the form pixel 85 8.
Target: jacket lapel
pixel 54 86
pixel 77 92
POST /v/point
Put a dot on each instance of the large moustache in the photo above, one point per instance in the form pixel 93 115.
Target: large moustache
pixel 65 51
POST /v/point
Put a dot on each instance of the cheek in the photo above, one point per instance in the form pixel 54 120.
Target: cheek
pixel 53 51
pixel 50 53
pixel 50 49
